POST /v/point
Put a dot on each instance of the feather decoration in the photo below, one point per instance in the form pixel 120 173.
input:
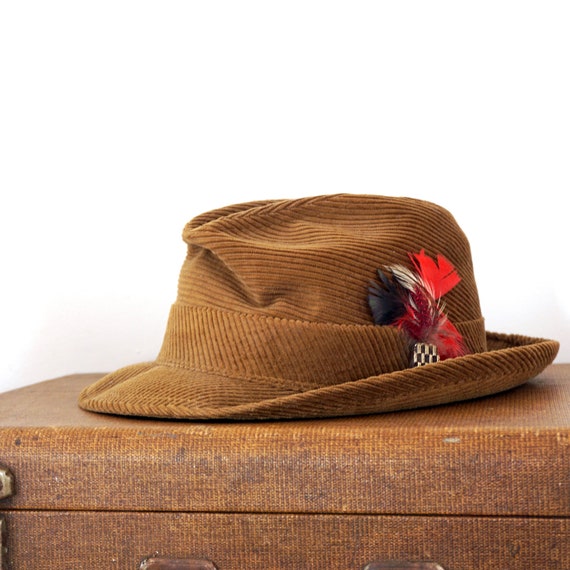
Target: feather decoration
pixel 410 300
pixel 441 276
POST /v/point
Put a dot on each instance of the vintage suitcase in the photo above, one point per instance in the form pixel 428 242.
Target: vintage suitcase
pixel 480 485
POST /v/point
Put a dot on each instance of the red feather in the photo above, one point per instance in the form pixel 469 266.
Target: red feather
pixel 448 340
pixel 440 276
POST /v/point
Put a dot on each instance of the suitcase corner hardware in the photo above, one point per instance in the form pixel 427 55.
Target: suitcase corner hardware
pixel 6 483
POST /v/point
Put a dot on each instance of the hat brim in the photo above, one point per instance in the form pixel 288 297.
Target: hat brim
pixel 161 391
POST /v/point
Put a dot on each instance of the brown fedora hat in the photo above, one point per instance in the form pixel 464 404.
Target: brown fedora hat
pixel 318 307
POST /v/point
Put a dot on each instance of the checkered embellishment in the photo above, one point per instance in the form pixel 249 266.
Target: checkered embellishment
pixel 424 353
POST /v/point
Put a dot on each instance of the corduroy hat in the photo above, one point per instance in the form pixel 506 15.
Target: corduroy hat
pixel 310 308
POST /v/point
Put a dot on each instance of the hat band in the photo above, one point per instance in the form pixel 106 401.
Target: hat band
pixel 304 355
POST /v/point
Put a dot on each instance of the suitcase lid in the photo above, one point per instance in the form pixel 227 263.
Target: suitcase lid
pixel 504 455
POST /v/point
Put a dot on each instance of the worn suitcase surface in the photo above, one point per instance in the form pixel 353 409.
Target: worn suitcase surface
pixel 471 486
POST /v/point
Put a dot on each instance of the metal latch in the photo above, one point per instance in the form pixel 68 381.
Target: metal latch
pixel 6 483
pixel 175 564
pixel 402 565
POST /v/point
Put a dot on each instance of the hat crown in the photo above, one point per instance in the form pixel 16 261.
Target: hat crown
pixel 312 259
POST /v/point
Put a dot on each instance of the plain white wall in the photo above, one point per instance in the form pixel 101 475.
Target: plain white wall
pixel 120 121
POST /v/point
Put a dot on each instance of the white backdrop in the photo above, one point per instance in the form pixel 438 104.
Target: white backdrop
pixel 119 121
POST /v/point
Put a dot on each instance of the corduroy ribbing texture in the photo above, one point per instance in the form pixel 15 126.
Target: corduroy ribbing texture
pixel 272 320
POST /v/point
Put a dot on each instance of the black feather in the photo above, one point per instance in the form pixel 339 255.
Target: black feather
pixel 386 300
